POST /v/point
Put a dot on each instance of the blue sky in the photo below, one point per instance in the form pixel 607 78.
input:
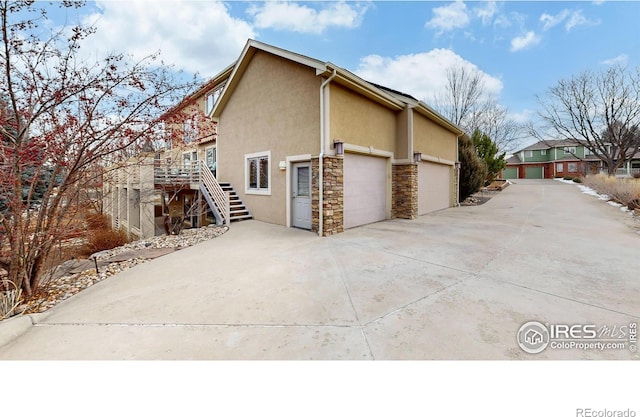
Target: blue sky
pixel 522 47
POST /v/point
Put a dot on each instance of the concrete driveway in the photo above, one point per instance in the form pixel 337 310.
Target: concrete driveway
pixel 456 284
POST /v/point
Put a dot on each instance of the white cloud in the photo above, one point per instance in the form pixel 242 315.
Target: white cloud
pixel 550 21
pixel 453 16
pixel 578 19
pixel 523 116
pixel 487 12
pixel 573 19
pixel 422 75
pixel 286 15
pixel 525 41
pixel 621 59
pixel 195 36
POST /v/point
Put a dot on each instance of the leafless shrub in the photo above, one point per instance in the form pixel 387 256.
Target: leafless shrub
pixel 622 190
pixel 9 298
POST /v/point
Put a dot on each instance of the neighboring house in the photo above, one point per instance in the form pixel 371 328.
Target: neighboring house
pixel 631 168
pixel 551 159
pixel 166 187
pixel 384 154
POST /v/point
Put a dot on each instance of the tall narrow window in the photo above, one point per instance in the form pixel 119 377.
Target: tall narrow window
pixel 212 98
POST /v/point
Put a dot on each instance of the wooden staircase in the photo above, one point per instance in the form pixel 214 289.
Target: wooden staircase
pixel 237 210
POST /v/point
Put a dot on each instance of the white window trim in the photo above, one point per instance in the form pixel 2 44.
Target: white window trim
pixel 559 167
pixel 569 150
pixel 215 93
pixel 543 151
pixel 191 153
pixel 528 154
pixel 254 191
pixel 570 165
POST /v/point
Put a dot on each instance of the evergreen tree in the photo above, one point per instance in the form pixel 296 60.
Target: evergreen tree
pixel 487 151
pixel 473 170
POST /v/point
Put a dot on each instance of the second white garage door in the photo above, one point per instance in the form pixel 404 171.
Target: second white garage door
pixel 365 189
pixel 434 187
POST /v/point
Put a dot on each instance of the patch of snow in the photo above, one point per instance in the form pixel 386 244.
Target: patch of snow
pixel 589 191
pixel 564 181
pixel 614 204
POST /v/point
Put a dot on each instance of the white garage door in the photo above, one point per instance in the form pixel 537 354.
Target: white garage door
pixel 434 187
pixel 365 189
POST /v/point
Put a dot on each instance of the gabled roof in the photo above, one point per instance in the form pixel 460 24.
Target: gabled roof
pixel 513 159
pixel 385 96
pixel 202 90
pixel 553 143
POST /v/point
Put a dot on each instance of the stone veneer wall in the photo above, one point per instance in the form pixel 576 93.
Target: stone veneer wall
pixel 404 187
pixel 333 215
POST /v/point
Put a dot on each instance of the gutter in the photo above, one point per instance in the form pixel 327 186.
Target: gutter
pixel 321 156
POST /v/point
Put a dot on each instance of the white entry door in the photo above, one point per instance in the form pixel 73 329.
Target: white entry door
pixel 301 194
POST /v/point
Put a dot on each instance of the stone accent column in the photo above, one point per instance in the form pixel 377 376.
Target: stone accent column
pixel 404 201
pixel 333 204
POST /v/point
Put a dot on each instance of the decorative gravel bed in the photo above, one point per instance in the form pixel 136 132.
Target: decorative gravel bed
pixel 63 284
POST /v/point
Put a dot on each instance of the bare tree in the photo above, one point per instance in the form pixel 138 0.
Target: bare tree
pixel 599 110
pixel 463 97
pixel 62 115
pixel 466 102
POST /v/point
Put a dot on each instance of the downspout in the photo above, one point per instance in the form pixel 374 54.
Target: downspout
pixel 457 168
pixel 321 157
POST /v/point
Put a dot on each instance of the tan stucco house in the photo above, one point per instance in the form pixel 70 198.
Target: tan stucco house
pixel 168 184
pixel 285 121
pixel 384 154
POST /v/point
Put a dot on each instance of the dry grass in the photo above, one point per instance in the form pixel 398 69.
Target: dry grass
pixel 625 191
pixel 101 235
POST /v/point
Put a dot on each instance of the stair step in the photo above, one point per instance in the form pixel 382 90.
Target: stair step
pixel 243 217
pixel 237 210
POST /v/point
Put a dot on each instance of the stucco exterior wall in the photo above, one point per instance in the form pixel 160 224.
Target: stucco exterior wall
pixel 274 108
pixel 432 139
pixel 359 121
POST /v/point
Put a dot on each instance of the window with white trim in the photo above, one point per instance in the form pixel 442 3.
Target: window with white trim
pixel 258 173
pixel 528 154
pixel 572 167
pixel 559 167
pixel 543 151
pixel 191 129
pixel 211 157
pixel 570 150
pixel 189 158
pixel 212 98
pixel 587 151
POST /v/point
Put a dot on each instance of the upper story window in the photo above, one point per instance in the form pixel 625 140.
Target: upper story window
pixel 191 129
pixel 528 154
pixel 570 150
pixel 587 151
pixel 543 152
pixel 212 98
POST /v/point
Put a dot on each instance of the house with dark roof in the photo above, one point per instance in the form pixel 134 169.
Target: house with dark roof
pixel 308 144
pixel 301 143
pixel 551 159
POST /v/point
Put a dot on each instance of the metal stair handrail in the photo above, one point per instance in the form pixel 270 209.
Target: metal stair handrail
pixel 220 197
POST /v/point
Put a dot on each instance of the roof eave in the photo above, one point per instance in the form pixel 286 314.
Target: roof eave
pixel 357 84
pixel 436 117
